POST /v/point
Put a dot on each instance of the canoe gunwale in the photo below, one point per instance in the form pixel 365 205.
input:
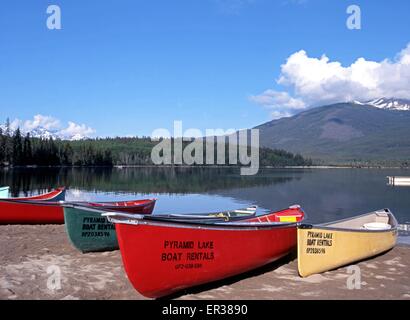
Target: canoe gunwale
pixel 206 226
pixel 327 225
pixel 157 221
pixel 84 205
pixel 32 202
pixel 45 197
pixel 350 230
pixel 108 202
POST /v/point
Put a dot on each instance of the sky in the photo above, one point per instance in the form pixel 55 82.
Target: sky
pixel 126 68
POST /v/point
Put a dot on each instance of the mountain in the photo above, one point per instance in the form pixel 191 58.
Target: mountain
pixel 388 104
pixel 41 132
pixel 343 133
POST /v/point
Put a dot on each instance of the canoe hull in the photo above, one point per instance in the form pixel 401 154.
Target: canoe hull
pixel 157 268
pixel 321 250
pixel 14 211
pixel 30 212
pixel 88 231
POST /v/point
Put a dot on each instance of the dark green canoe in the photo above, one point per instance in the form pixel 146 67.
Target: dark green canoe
pixel 88 231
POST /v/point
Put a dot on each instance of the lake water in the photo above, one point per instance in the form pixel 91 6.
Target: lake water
pixel 324 194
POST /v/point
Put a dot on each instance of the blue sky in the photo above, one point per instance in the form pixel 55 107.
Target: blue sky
pixel 130 67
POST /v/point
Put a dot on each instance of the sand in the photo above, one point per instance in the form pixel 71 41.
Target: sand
pixel 33 258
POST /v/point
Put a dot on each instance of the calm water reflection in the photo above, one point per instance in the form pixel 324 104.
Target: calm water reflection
pixel 325 194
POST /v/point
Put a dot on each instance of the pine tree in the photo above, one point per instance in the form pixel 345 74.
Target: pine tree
pixel 89 155
pixel 27 150
pixel 17 155
pixel 108 158
pixel 66 157
pixel 52 153
pixel 8 144
pixel 2 147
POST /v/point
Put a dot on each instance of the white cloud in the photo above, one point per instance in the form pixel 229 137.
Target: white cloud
pixel 277 114
pixel 46 122
pixel 319 81
pixel 278 99
pixel 76 131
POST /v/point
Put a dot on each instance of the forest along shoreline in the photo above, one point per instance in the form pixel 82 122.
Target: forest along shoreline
pixel 16 150
pixel 27 151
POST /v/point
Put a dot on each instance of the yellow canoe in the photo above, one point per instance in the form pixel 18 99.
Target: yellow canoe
pixel 331 245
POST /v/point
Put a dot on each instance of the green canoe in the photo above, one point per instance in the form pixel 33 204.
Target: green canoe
pixel 88 231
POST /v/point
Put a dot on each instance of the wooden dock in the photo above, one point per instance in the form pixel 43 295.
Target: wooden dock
pixel 399 181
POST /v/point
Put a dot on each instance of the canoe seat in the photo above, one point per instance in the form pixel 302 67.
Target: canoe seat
pixel 377 226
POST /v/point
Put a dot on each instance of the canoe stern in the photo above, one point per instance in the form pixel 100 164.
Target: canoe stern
pixel 88 231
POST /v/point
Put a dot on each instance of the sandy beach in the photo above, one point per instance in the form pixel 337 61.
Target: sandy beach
pixel 33 256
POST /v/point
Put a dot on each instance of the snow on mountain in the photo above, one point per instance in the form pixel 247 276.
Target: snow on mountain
pixel 41 132
pixel 388 104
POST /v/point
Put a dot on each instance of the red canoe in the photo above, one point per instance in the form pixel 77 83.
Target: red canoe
pixel 43 212
pixel 163 257
pixel 53 196
pixel 135 206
